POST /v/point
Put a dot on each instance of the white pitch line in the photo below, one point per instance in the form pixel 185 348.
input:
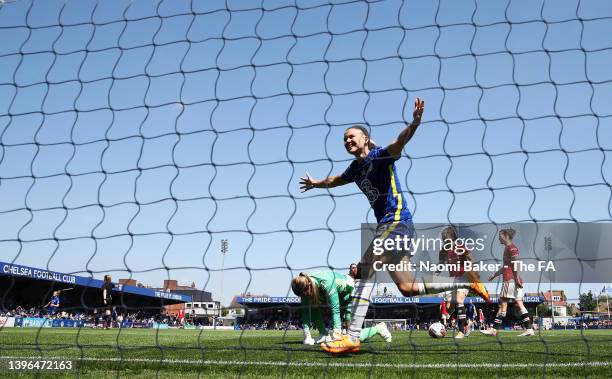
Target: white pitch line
pixel 330 364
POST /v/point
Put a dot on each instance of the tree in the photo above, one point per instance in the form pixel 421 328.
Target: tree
pixel 587 302
pixel 544 310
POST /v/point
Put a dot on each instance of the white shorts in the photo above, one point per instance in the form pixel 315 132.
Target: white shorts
pixel 511 291
pixel 451 296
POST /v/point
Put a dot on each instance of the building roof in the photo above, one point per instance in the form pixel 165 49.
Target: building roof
pixel 557 298
pixel 9 269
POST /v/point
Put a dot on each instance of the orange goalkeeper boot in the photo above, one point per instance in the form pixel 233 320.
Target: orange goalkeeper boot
pixel 342 346
pixel 479 289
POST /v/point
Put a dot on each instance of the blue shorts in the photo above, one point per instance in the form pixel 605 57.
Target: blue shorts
pixel 400 233
pixel 395 229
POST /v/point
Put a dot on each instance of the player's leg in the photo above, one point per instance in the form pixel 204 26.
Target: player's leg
pixel 444 319
pixel 317 320
pixel 459 300
pixel 365 282
pixel 360 297
pixel 499 317
pixel 108 317
pixel 472 323
pixel 525 319
pixel 360 302
pixel 408 285
pixel 380 329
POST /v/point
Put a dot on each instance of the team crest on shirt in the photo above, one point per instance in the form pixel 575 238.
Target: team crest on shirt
pixel 366 186
pixel 369 190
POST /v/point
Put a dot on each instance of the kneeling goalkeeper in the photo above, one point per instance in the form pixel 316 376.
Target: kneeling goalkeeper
pixel 314 289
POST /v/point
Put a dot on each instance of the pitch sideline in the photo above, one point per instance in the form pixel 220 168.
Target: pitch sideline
pixel 331 364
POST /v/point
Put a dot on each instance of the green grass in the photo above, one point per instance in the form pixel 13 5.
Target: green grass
pixel 257 354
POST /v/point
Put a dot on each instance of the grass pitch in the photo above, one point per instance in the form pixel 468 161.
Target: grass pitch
pixel 193 353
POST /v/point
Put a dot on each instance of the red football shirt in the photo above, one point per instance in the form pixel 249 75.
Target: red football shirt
pixel 453 257
pixel 510 252
pixel 443 309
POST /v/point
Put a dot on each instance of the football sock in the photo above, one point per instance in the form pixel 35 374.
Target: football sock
pixel 368 333
pixel 360 305
pixel 461 318
pixel 525 320
pixel 498 320
pixel 429 288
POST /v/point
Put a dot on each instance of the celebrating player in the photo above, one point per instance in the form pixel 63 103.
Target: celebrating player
pixel 54 303
pixel 512 287
pixel 373 170
pixel 316 287
pixel 455 253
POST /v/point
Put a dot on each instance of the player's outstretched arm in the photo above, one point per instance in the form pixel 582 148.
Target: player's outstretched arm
pixel 396 147
pixel 308 183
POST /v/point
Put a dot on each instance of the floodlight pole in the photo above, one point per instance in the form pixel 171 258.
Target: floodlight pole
pixel 224 250
pixel 548 248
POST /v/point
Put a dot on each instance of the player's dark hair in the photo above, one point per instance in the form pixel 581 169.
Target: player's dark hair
pixel 451 230
pixel 508 232
pixel 366 132
pixel 107 278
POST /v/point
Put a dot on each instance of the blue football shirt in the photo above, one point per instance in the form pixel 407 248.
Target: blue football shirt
pixel 377 178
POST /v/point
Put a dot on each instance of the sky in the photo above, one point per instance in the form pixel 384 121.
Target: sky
pixel 136 135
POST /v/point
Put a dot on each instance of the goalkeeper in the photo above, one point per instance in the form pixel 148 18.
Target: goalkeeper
pixel 314 289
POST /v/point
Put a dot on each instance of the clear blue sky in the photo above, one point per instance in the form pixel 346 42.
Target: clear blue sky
pixel 195 127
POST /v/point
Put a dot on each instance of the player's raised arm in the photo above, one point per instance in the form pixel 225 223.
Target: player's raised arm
pixel 308 183
pixel 396 147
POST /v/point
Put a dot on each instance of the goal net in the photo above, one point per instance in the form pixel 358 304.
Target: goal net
pixel 162 143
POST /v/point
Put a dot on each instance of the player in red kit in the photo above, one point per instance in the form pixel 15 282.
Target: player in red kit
pixel 181 317
pixel 512 287
pixel 444 313
pixel 455 252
